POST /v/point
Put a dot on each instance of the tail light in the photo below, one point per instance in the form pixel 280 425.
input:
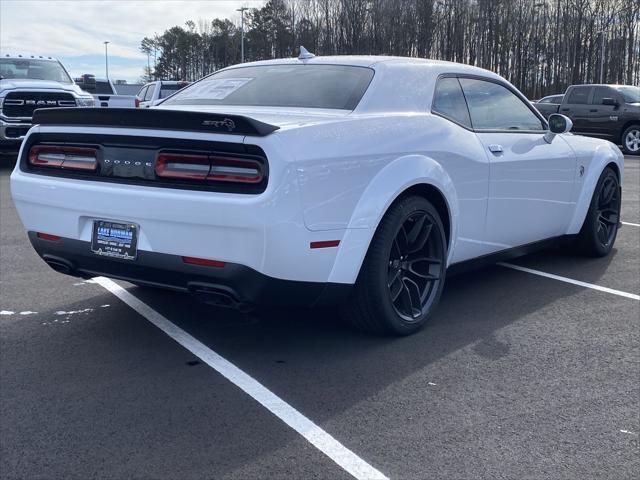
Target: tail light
pixel 208 167
pixel 137 102
pixel 60 156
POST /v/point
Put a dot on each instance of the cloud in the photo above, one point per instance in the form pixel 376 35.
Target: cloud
pixel 72 30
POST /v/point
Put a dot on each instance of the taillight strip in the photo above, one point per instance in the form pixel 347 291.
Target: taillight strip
pixel 63 156
pixel 208 167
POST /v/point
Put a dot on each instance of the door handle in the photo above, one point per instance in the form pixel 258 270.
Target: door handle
pixel 495 148
pixel 593 110
pixel 565 109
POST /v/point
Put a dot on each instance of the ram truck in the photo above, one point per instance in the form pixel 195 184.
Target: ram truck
pixel 28 83
pixel 611 112
pixel 105 93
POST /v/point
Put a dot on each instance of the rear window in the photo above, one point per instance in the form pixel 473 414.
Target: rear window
pixel 166 90
pixel 103 88
pixel 305 86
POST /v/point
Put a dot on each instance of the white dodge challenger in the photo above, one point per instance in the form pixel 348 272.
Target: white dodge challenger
pixel 358 181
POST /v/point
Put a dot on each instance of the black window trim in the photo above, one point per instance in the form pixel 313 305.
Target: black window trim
pixel 524 99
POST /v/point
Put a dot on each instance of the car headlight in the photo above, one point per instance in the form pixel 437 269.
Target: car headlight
pixel 85 102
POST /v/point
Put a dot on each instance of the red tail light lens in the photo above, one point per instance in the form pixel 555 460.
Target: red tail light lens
pixel 185 166
pixel 136 102
pixel 60 156
pixel 225 169
pixel 208 167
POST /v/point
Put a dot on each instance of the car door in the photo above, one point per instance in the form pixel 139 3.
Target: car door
pixel 577 107
pixel 530 180
pixel 604 119
pixel 140 96
pixel 148 96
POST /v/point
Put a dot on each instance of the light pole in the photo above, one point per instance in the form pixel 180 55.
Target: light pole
pixel 106 60
pixel 241 10
pixel 601 54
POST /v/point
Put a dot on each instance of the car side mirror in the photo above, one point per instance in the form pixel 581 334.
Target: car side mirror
pixel 557 124
pixel 610 101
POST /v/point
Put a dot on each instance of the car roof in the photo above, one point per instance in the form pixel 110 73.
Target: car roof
pixel 27 57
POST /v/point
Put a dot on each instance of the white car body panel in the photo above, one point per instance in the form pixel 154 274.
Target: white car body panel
pixel 333 175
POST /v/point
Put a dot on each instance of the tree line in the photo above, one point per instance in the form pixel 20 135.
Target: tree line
pixel 541 46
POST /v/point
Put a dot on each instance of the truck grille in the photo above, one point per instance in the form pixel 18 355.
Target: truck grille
pixel 22 104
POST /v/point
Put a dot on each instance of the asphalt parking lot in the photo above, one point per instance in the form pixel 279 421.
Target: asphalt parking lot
pixel 518 376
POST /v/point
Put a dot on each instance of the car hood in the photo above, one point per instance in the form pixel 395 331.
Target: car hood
pixel 281 117
pixel 19 83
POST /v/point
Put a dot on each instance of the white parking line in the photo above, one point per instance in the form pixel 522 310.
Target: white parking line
pixel 633 296
pixel 632 224
pixel 324 442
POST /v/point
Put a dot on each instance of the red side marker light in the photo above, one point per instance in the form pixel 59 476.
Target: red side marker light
pixel 203 262
pixel 324 244
pixel 48 236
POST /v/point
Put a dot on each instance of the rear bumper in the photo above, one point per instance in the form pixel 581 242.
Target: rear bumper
pixel 232 285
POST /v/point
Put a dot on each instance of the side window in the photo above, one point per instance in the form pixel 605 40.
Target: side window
pixel 579 95
pixel 142 93
pixel 494 107
pixel 602 92
pixel 149 95
pixel 448 101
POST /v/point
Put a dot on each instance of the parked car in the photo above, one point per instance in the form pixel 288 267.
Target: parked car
pixel 555 99
pixel 27 83
pixel 358 181
pixel 105 92
pixel 611 112
pixel 153 92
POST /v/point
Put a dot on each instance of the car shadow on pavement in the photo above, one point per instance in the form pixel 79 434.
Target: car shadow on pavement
pixel 300 354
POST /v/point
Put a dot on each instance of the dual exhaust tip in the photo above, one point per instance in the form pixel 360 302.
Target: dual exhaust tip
pixel 218 296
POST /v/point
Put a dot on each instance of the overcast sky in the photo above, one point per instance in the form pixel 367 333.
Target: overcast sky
pixel 74 31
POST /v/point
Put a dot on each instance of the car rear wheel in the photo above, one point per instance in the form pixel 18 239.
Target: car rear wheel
pixel 403 273
pixel 600 228
pixel 631 140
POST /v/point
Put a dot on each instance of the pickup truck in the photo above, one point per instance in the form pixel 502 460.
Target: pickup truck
pixel 611 112
pixel 151 93
pixel 104 92
pixel 29 82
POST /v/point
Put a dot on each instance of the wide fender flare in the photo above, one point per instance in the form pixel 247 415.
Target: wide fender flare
pixel 602 156
pixel 396 177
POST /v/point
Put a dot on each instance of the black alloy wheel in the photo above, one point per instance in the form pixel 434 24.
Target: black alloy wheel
pixel 608 210
pixel 600 227
pixel 415 262
pixel 403 273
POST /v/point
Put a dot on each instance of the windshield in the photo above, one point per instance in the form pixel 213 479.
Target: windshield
pixel 305 86
pixel 33 69
pixel 630 94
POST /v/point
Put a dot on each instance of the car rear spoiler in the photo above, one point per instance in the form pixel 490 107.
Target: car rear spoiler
pixel 154 119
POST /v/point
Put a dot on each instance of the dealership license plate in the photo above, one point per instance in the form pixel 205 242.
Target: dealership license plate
pixel 115 239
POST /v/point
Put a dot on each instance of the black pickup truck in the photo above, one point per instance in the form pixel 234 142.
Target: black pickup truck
pixel 611 112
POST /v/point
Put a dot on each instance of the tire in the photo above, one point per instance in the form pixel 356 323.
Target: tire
pixel 630 140
pixel 406 261
pixel 600 227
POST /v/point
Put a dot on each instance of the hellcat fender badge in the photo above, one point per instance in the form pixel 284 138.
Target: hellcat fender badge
pixel 227 122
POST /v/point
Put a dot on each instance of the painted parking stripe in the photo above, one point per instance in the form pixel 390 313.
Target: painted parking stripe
pixel 324 442
pixel 633 296
pixel 632 224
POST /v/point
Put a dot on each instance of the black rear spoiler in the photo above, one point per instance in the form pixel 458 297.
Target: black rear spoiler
pixel 153 118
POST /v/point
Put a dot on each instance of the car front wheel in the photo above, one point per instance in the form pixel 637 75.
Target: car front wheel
pixel 600 227
pixel 403 273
